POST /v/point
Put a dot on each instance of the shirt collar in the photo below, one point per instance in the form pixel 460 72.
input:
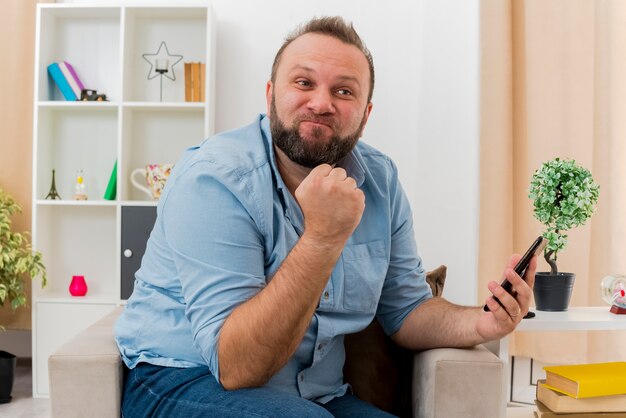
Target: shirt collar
pixel 267 136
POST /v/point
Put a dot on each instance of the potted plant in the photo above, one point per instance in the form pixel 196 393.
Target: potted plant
pixel 17 263
pixel 564 195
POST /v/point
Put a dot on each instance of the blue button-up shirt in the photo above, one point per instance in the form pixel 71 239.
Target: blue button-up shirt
pixel 225 223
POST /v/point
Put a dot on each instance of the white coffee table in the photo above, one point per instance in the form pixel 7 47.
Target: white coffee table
pixel 581 318
pixel 584 318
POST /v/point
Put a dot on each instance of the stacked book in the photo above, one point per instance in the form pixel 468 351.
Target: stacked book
pixel 583 391
pixel 194 81
pixel 66 80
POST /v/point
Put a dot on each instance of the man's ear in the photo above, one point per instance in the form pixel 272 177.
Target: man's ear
pixel 269 90
pixel 366 116
pixel 368 110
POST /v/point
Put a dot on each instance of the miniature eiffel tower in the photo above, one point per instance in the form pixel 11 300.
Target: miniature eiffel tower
pixel 53 194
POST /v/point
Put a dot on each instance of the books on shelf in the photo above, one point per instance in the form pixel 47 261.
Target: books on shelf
pixel 61 82
pixel 587 380
pixel 66 79
pixel 188 95
pixel 543 412
pixel 195 81
pixel 72 78
pixel 202 82
pixel 561 403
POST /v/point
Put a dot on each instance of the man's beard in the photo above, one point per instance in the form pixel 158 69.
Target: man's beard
pixel 318 150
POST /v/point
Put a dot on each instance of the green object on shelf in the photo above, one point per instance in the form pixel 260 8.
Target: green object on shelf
pixel 111 190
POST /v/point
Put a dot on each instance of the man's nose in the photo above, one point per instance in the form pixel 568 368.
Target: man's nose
pixel 321 102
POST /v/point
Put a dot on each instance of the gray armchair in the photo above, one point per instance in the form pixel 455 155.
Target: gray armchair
pixel 437 383
pixel 86 376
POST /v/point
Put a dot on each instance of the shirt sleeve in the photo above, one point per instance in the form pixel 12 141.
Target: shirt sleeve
pixel 210 219
pixel 405 285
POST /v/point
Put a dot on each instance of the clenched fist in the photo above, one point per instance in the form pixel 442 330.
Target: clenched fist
pixel 331 203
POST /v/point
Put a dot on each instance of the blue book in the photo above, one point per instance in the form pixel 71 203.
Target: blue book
pixel 61 82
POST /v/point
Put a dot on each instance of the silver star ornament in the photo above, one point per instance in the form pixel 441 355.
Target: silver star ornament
pixel 162 62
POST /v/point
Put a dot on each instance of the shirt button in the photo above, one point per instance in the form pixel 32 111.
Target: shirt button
pixel 326 295
pixel 320 346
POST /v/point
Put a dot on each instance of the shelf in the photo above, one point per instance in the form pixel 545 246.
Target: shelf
pixel 62 11
pixel 139 202
pixel 168 12
pixel 155 135
pixel 71 139
pixel 65 297
pixel 64 104
pixel 54 324
pixel 78 240
pixel 86 37
pixel 193 106
pixel 184 31
pixel 63 202
pixel 95 203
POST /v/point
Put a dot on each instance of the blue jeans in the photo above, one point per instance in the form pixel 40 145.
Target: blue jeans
pixel 167 392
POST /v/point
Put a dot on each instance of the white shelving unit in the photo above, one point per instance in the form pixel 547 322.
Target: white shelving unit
pixel 105 45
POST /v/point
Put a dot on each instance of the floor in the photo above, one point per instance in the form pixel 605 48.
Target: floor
pixel 24 406
pixel 520 412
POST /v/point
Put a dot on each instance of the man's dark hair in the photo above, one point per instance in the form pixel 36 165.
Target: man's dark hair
pixel 335 27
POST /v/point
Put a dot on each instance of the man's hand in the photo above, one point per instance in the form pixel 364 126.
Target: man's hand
pixel 503 319
pixel 331 203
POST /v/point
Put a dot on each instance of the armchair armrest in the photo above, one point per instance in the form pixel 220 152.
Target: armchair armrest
pixel 86 373
pixel 452 382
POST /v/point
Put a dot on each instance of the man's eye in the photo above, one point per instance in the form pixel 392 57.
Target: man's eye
pixel 344 92
pixel 304 83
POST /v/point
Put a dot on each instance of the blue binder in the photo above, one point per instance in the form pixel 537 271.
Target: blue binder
pixel 61 82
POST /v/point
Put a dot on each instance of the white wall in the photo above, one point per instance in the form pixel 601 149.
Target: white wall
pixel 447 169
pixel 425 103
pixel 17 342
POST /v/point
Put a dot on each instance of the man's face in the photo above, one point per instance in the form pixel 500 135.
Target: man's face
pixel 318 101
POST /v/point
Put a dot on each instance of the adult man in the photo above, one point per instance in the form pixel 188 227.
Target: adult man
pixel 275 240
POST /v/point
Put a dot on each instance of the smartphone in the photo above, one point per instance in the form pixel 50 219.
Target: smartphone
pixel 536 248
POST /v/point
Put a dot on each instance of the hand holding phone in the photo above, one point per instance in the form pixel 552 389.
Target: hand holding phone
pixel 536 248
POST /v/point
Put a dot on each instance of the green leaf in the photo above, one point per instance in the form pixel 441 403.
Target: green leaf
pixel 17 261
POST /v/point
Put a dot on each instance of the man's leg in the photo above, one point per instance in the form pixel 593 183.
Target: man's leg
pixel 349 406
pixel 167 392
